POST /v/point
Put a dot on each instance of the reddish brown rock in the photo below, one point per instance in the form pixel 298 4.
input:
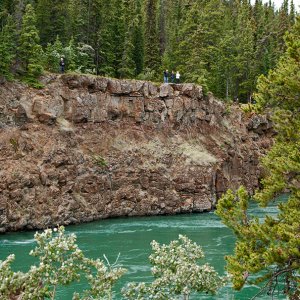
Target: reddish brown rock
pixel 85 148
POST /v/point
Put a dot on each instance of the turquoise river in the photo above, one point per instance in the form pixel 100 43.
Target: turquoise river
pixel 131 238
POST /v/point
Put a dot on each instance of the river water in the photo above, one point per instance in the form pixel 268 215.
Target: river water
pixel 131 238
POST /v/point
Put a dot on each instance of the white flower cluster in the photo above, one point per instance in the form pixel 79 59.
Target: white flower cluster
pixel 176 272
pixel 60 263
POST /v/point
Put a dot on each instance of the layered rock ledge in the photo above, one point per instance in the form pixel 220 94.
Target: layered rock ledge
pixel 85 148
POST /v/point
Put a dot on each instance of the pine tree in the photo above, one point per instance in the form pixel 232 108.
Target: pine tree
pixel 152 55
pixel 30 50
pixel 138 40
pixel 7 48
pixel 104 37
pixel 53 53
pixel 271 249
pixel 189 53
pixel 70 54
pixel 78 16
pixel 244 62
pixel 220 49
pixel 6 10
pixel 85 58
pixel 174 19
pixel 51 17
pixel 132 47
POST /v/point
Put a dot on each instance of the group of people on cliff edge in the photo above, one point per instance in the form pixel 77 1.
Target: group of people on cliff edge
pixel 172 76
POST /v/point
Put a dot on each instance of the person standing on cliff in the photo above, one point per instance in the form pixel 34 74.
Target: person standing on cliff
pixel 172 77
pixel 166 76
pixel 62 65
pixel 177 77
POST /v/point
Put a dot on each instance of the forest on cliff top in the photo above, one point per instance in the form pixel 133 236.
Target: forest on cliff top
pixel 223 45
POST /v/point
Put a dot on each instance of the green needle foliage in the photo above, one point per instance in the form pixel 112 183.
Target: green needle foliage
pixel 222 44
pixel 7 48
pixel 271 249
pixel 30 51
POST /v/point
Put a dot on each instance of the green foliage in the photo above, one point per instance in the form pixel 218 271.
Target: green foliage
pixel 176 272
pixel 147 75
pixel 100 161
pixel 51 20
pixel 270 248
pixel 15 144
pixel 7 48
pixel 249 108
pixel 77 58
pixel 53 54
pixel 152 55
pixel 70 55
pixel 30 51
pixel 61 262
pixel 84 58
pixel 222 45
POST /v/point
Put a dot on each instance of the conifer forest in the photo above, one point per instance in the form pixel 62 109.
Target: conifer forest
pixel 240 50
pixel 223 45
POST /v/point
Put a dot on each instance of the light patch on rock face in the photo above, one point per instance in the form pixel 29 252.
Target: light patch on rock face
pixel 64 125
pixel 156 148
pixel 196 154
pixel 123 143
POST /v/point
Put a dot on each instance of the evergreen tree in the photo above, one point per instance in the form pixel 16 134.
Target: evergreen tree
pixel 103 37
pixel 152 55
pixel 132 56
pixel 118 36
pixel 7 48
pixel 70 54
pixel 272 246
pixel 30 50
pixel 51 18
pixel 76 24
pixel 190 57
pixel 138 39
pixel 244 62
pixel 53 53
pixel 6 10
pixel 85 58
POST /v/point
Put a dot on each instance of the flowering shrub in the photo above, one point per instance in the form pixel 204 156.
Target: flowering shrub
pixel 176 272
pixel 60 263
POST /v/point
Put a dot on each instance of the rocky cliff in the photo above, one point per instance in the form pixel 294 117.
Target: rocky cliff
pixel 84 148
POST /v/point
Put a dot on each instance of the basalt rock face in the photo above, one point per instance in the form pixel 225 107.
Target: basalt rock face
pixel 84 148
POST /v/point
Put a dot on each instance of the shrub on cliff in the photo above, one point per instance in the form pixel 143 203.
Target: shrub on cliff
pixel 271 249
